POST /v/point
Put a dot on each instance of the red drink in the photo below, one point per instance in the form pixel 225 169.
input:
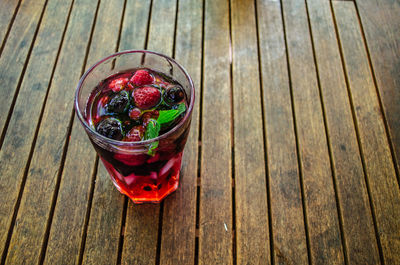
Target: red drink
pixel 138 120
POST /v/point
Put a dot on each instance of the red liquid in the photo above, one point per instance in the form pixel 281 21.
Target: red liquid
pixel 141 176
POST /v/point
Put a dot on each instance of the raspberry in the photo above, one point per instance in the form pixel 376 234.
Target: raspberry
pixel 118 84
pixel 150 115
pixel 146 97
pixel 135 134
pixel 141 78
pixel 135 114
pixel 131 160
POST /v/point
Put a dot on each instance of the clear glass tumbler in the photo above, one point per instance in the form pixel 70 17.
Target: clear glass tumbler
pixel 141 176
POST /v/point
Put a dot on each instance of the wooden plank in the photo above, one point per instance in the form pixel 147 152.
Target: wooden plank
pixel 379 166
pixel 381 23
pixel 140 236
pixel 105 221
pixel 162 25
pixel 15 52
pixel 215 213
pixel 7 12
pixel 284 184
pixel 252 234
pixel 21 129
pixel 179 216
pixel 319 195
pixel 142 221
pixel 69 222
pixel 134 28
pixel 30 226
pixel 358 228
pixel 106 215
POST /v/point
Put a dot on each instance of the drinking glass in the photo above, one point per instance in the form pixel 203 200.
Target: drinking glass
pixel 141 175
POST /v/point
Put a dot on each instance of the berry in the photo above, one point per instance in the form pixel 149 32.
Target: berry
pixel 135 134
pixel 110 128
pixel 146 97
pixel 135 114
pixel 131 160
pixel 119 103
pixel 141 78
pixel 149 115
pixel 174 95
pixel 118 84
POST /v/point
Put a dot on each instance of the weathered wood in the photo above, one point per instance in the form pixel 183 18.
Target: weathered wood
pixel 162 25
pixel 30 227
pixel 288 227
pixel 7 11
pixel 319 195
pixel 142 221
pixel 252 234
pixel 381 23
pixel 179 216
pixel 21 129
pixel 15 52
pixel 140 236
pixel 105 221
pixel 68 223
pixel 215 213
pixel 374 145
pixel 359 234
pixel 134 27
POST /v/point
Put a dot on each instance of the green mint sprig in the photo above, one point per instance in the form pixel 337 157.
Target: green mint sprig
pixel 154 126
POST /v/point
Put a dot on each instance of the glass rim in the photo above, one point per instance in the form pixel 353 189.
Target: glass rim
pixel 137 143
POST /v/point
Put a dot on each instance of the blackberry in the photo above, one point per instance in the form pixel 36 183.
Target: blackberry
pixel 110 128
pixel 119 103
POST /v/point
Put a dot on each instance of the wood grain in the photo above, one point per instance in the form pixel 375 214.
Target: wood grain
pixel 105 221
pixel 179 216
pixel 252 234
pixel 15 52
pixel 319 195
pixel 7 11
pixel 68 222
pixel 140 236
pixel 30 226
pixel 376 153
pixel 106 215
pixel 21 129
pixel 359 234
pixel 381 23
pixel 215 213
pixel 289 236
pixel 162 25
pixel 142 221
pixel 134 27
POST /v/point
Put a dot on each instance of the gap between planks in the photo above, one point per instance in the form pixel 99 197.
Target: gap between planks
pixel 233 181
pixel 357 131
pixel 64 155
pixel 25 174
pixel 328 141
pixel 300 172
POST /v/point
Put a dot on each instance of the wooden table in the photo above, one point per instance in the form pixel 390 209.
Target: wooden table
pixel 294 150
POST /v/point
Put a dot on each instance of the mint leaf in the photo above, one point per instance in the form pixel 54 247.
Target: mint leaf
pixel 166 116
pixel 152 131
pixel 154 126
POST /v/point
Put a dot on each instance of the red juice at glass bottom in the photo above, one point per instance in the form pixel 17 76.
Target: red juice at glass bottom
pixel 135 106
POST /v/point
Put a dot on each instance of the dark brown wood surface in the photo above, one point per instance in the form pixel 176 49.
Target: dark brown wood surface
pixel 375 149
pixel 293 154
